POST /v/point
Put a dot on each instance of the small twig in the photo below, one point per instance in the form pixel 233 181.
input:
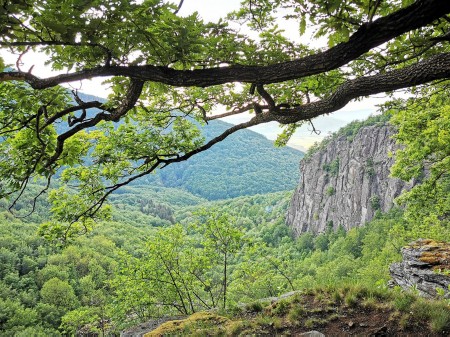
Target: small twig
pixel 236 111
pixel 254 17
pixel 45 189
pixel 372 10
pixel 179 7
pixel 317 132
pixel 19 60
pixel 203 111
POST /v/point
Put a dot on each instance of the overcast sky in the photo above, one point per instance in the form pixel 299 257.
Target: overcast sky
pixel 212 10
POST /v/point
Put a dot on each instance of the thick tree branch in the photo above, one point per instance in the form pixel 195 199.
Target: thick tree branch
pixel 266 96
pixel 435 68
pixel 368 36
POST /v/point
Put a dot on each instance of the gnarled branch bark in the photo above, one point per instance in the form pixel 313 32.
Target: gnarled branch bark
pixel 367 37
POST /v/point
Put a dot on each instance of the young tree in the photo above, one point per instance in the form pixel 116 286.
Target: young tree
pixel 180 272
pixel 166 70
pixel 220 240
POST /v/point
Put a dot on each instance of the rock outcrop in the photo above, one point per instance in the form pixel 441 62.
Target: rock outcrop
pixel 346 183
pixel 425 267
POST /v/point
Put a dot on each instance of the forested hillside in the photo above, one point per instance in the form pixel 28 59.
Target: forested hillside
pixel 246 163
pixel 144 206
pixel 146 262
pixel 121 274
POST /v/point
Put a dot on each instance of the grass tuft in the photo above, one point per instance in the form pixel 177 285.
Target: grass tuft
pixel 351 300
pixel 404 301
pixel 296 314
pixel 281 308
pixel 254 307
pixel 440 320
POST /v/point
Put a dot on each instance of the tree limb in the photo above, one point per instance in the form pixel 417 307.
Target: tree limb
pixel 266 96
pixel 434 68
pixel 368 36
pixel 179 7
pixel 128 103
pixel 235 111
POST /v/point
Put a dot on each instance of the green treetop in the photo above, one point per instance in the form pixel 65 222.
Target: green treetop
pixel 167 71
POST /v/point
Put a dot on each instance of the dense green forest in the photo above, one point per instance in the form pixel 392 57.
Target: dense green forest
pixel 143 205
pixel 246 158
pixel 121 274
pixel 167 252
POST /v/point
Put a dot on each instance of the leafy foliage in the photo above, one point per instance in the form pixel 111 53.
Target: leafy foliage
pixel 423 130
pixel 120 274
pixel 332 168
pixel 167 75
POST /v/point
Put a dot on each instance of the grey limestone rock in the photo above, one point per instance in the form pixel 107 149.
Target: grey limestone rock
pixel 423 267
pixel 345 183
pixel 312 333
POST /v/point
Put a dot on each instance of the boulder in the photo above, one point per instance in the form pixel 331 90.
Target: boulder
pixel 425 267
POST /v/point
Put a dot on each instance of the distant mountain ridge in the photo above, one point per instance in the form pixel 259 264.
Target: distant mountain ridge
pixel 246 163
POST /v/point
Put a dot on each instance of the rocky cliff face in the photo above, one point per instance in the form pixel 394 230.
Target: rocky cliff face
pixel 425 267
pixel 346 182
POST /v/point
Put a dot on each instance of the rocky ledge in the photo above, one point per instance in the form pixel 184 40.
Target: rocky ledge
pixel 425 267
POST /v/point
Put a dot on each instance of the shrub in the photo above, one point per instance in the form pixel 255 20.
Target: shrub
pixel 330 191
pixel 254 307
pixel 403 302
pixel 234 328
pixel 440 320
pixel 437 312
pixel 281 308
pixel 332 168
pixel 375 202
pixel 351 300
pixel 370 169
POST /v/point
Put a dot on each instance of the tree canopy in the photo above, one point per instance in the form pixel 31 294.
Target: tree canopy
pixel 169 72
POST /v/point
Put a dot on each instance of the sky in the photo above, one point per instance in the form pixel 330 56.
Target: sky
pixel 212 10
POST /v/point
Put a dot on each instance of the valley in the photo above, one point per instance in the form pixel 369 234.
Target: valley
pixel 167 252
pixel 159 211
